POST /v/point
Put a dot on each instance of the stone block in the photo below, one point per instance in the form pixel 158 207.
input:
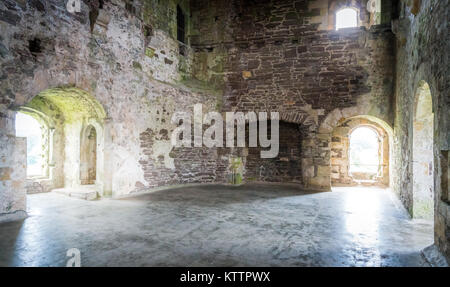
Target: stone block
pixel 323 171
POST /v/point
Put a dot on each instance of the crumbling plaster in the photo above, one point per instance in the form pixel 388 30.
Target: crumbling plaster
pixel 112 65
pixel 275 55
pixel 277 58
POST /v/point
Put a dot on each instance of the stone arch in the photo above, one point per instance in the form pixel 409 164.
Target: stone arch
pixel 339 17
pixel 441 139
pixel 340 149
pixel 337 5
pixel 72 112
pixel 423 153
pixel 45 80
pixel 88 156
pixel 338 115
pixel 319 175
pixel 99 128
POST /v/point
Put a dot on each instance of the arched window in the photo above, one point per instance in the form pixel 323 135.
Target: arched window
pixel 346 18
pixel 29 127
pixel 364 151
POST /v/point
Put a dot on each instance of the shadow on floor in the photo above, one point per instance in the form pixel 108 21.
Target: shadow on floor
pixel 224 194
pixel 8 237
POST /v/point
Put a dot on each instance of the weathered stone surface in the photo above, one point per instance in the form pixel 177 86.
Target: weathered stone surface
pixel 340 152
pixel 12 175
pixel 301 71
pixel 280 56
pixel 422 55
pixel 114 66
pixel 9 17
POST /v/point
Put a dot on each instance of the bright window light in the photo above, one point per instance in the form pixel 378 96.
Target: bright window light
pixel 27 126
pixel 364 150
pixel 346 18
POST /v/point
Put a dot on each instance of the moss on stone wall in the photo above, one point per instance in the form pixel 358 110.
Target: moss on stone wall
pixel 236 167
pixel 162 14
pixel 72 103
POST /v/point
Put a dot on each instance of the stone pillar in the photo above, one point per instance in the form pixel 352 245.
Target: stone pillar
pixel 13 164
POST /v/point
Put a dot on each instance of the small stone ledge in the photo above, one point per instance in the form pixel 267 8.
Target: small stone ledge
pixel 13 216
pixel 434 257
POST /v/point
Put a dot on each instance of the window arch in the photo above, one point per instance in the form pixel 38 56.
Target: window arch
pixel 364 158
pixel 346 18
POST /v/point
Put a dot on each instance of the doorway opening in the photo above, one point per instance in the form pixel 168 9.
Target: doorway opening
pixel 423 164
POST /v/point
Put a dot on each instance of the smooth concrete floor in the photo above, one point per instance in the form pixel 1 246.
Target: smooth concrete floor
pixel 252 225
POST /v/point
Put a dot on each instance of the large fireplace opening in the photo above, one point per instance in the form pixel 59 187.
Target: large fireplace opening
pixel 286 167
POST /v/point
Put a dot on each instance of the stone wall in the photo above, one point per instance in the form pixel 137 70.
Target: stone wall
pixel 278 57
pixel 12 172
pixel 422 55
pixel 164 165
pixel 125 55
pixel 261 55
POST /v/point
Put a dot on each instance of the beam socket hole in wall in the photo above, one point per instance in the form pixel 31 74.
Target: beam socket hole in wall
pixel 181 25
pixel 34 46
pixel 346 18
pixel 129 6
pixel 181 31
pixel 364 153
pixel 28 127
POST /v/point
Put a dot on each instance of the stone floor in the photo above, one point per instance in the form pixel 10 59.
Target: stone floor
pixel 262 225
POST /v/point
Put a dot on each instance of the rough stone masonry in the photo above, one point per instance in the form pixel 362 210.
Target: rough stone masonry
pixel 120 67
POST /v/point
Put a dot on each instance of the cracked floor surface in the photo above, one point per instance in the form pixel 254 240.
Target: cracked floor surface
pixel 214 225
